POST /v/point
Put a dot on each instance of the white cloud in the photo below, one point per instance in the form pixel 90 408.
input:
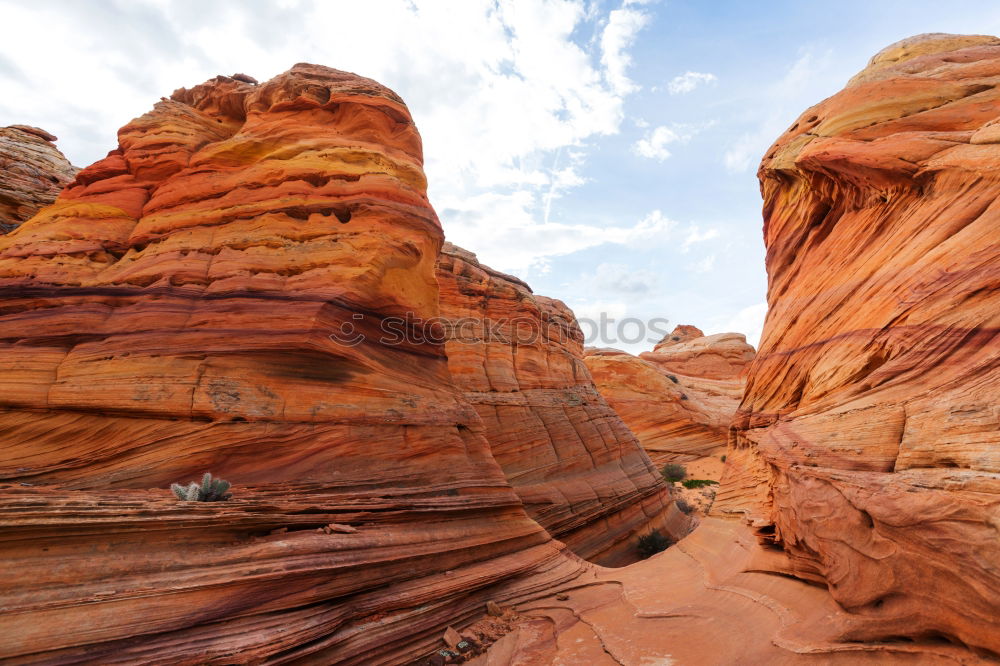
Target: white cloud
pixel 654 226
pixel 654 144
pixel 505 234
pixel 562 179
pixel 688 81
pixel 696 235
pixel 619 34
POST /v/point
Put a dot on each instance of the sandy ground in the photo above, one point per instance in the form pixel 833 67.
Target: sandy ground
pixel 705 601
pixel 710 467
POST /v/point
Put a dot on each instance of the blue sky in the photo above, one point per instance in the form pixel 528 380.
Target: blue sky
pixel 605 151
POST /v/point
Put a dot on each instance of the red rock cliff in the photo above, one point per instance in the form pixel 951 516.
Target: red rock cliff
pixel 171 313
pixel 868 443
pixel 33 171
pixel 576 466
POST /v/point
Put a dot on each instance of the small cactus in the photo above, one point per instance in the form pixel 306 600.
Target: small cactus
pixel 209 490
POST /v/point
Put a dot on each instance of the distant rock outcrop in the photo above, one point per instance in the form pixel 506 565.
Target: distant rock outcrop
pixel 576 466
pixel 867 447
pixel 33 172
pixel 690 352
pixel 680 398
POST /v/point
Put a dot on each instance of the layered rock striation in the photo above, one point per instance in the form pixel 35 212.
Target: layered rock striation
pixel 577 467
pixel 707 600
pixel 867 446
pixel 214 296
pixel 34 171
pixel 678 399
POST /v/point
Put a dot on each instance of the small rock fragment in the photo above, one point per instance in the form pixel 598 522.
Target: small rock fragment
pixel 451 637
pixel 343 529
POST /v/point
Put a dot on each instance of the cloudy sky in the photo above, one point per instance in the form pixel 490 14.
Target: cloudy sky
pixel 605 151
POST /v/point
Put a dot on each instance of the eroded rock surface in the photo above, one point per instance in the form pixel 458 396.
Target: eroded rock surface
pixel 171 313
pixel 32 171
pixel 678 399
pixel 708 600
pixel 867 446
pixel 576 466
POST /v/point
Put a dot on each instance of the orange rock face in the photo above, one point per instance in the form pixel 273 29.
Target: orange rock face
pixel 680 398
pixel 576 466
pixel 32 171
pixel 868 443
pixel 690 352
pixel 213 296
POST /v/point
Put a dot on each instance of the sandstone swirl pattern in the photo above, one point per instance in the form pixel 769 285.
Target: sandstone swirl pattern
pixel 169 314
pixel 678 399
pixel 868 443
pixel 33 173
pixel 577 467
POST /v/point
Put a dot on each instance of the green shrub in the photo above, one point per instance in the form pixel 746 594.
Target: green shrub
pixel 673 472
pixel 723 458
pixel 699 483
pixel 209 490
pixel 652 543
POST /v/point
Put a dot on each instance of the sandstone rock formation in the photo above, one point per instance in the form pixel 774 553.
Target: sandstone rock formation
pixel 679 401
pixel 867 446
pixel 690 352
pixel 32 171
pixel 172 313
pixel 578 469
pixel 704 601
pixel 680 398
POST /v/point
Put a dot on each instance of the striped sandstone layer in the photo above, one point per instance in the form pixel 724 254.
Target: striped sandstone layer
pixel 577 467
pixel 678 399
pixel 171 313
pixel 867 446
pixel 33 173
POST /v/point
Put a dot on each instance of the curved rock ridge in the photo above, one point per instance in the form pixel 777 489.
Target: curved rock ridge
pixel 680 398
pixel 576 466
pixel 690 352
pixel 32 171
pixel 867 445
pixel 172 313
pixel 707 600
